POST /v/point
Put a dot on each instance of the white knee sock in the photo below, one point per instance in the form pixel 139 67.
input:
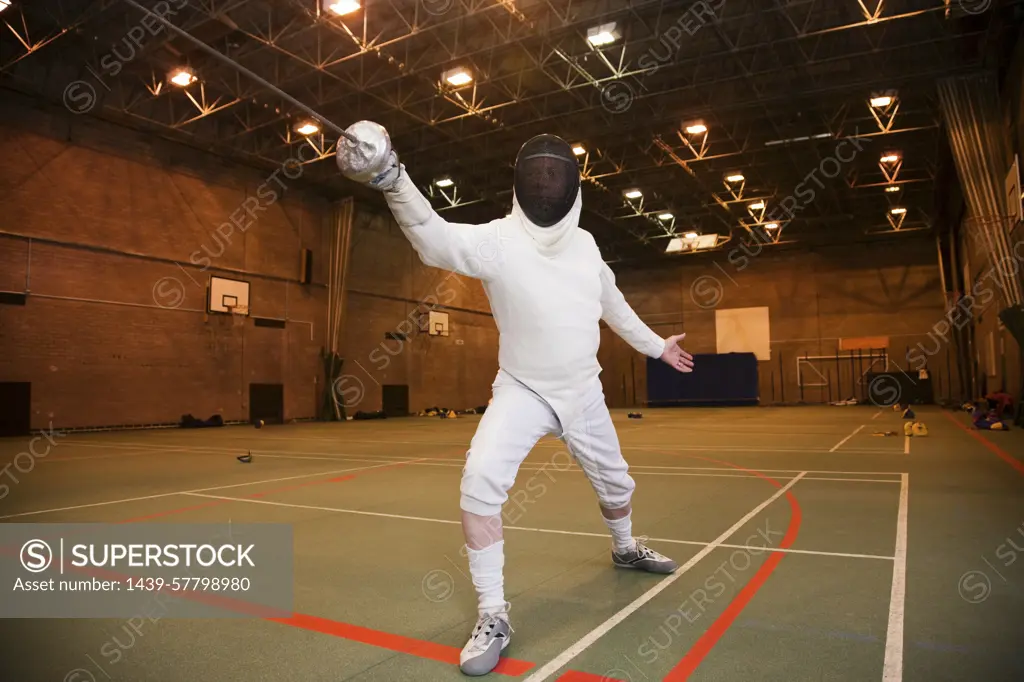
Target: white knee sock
pixel 485 566
pixel 622 533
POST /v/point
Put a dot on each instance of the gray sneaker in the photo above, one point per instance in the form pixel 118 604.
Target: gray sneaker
pixel 483 650
pixel 645 559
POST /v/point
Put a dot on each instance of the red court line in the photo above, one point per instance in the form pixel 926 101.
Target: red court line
pixel 1003 454
pixel 703 646
pixel 157 515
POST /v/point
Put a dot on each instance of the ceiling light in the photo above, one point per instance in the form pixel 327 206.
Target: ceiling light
pixel 881 102
pixel 578 150
pixel 756 206
pixel 4 4
pixel 605 34
pixel 633 194
pixel 735 177
pixel 182 77
pixel 691 235
pixel 457 77
pixel 307 128
pixel 341 7
pixel 891 157
pixel 892 188
pixel 664 216
pixel 696 128
pixel 898 211
pixel 444 182
pixel 771 226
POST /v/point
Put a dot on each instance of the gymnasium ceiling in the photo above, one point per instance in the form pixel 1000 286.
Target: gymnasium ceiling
pixel 783 88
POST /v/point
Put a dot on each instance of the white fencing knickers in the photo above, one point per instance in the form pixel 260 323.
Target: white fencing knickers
pixel 514 422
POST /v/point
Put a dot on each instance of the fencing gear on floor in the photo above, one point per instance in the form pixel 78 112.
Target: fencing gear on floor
pixel 514 423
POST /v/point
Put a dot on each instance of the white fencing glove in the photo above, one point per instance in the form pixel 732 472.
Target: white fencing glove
pixel 370 160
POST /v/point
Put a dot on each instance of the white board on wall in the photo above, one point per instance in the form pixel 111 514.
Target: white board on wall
pixel 744 330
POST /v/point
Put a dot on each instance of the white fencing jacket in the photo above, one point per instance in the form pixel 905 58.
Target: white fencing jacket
pixel 548 289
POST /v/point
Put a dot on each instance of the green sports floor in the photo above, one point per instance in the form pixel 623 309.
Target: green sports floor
pixel 810 550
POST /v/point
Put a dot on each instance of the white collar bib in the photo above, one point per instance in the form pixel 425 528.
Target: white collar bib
pixel 550 241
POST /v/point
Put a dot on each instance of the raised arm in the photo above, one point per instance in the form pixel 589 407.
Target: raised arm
pixel 471 250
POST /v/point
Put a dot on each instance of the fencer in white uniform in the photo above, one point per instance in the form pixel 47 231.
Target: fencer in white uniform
pixel 549 288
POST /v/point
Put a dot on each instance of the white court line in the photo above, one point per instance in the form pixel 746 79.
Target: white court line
pixel 906 445
pixel 459 464
pixel 893 669
pixel 374 457
pixel 132 452
pixel 195 490
pixel 548 444
pixel 576 649
pixel 876 414
pixel 552 531
pixel 855 431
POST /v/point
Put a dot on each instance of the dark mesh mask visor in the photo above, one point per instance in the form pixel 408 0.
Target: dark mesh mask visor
pixel 547 179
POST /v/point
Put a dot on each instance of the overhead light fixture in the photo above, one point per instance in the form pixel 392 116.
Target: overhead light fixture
pixel 457 77
pixel 771 226
pixel 444 182
pixel 691 235
pixel 881 102
pixel 578 150
pixel 696 128
pixel 664 216
pixel 605 34
pixel 735 177
pixel 4 4
pixel 892 188
pixel 182 77
pixel 891 157
pixel 756 206
pixel 341 7
pixel 633 194
pixel 898 211
pixel 307 128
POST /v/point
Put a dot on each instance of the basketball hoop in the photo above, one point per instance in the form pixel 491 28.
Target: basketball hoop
pixel 238 314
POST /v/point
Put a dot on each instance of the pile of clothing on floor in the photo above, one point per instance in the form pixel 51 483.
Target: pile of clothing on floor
pixel 987 414
pixel 449 413
pixel 190 422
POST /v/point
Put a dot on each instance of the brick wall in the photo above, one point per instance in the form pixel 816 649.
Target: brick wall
pixel 115 331
pixel 110 237
pixel 126 231
pixel 814 299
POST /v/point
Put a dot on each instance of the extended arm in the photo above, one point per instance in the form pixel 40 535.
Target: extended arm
pixel 618 315
pixel 471 250
pixel 624 321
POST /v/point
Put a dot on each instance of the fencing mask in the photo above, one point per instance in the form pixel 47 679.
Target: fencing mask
pixel 547 179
